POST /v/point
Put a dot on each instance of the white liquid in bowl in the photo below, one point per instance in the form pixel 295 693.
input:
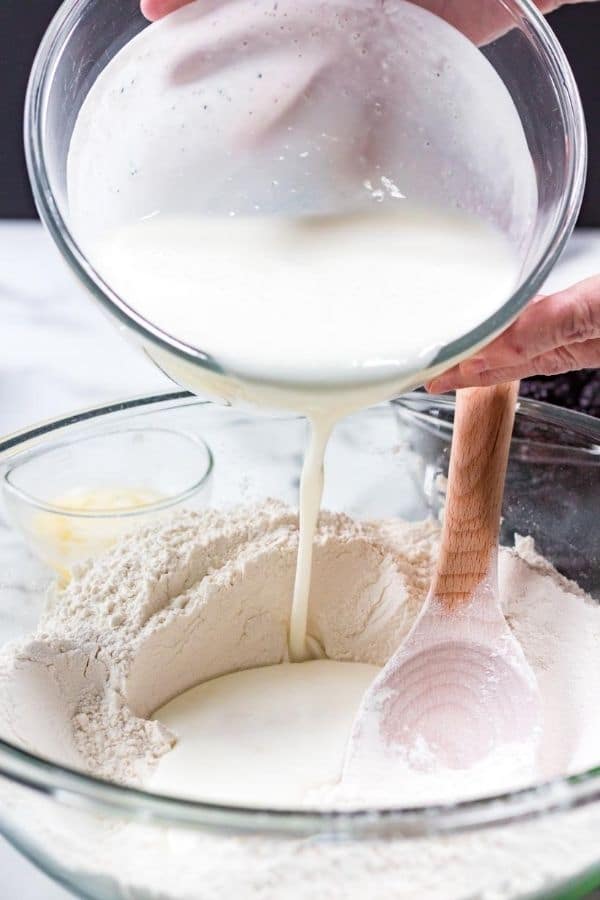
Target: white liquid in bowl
pixel 363 297
pixel 261 737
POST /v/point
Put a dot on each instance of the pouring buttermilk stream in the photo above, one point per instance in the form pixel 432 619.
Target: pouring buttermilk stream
pixel 303 195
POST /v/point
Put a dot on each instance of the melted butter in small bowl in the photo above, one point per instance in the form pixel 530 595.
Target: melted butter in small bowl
pixel 74 500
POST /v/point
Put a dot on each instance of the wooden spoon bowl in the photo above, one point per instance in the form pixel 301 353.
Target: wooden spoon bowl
pixel 459 687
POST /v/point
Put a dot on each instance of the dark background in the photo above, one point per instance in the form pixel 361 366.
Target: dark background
pixel 22 23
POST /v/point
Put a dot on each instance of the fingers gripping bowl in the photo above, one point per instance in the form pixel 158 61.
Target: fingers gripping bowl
pixel 105 840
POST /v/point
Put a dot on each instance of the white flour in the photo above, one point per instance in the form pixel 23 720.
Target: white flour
pixel 203 595
pixel 209 593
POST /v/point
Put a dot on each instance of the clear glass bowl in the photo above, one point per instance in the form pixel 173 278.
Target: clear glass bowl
pixel 105 841
pixel 73 500
pixel 86 34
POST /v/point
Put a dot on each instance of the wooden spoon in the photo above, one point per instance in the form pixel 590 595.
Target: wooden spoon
pixel 459 686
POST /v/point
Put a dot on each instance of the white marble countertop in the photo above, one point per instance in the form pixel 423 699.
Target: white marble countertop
pixel 58 352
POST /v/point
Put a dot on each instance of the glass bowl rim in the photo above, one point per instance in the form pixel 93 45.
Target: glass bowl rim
pixel 174 499
pixel 414 407
pixel 559 72
pixel 86 792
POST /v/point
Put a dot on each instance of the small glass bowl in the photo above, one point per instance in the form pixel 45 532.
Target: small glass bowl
pixel 75 499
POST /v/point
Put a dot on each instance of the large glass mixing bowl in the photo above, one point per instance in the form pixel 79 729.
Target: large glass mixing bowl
pixel 86 34
pixel 106 841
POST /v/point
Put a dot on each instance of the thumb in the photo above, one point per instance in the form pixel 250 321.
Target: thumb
pixel 157 9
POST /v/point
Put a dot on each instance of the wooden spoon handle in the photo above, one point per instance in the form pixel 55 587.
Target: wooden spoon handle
pixel 483 426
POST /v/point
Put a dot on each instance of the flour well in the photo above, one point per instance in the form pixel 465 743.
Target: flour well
pixel 206 594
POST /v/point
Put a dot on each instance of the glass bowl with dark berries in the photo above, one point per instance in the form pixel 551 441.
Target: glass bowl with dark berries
pixel 575 390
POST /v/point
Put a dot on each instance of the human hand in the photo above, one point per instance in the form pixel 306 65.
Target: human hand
pixel 483 25
pixel 555 334
pixel 466 15
pixel 157 9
